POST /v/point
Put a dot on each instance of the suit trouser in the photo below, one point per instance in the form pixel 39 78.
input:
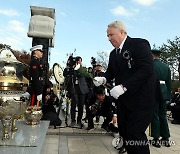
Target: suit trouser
pixel 159 125
pixel 86 102
pixel 77 99
pixel 132 126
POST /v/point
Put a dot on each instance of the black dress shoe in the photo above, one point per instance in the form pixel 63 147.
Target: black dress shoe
pixel 156 143
pixel 122 150
pixel 165 142
pixel 175 122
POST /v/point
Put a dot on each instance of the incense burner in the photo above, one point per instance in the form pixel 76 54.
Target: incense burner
pixel 13 97
pixel 33 115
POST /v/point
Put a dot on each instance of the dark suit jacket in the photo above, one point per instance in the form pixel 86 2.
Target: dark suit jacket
pixel 70 79
pixel 83 85
pixel 139 78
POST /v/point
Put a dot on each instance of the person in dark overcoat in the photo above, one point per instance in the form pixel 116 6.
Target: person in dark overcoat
pixel 174 107
pixel 49 106
pixel 77 88
pixel 131 65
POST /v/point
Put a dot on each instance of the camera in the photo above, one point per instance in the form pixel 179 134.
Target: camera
pixel 93 61
pixel 95 108
pixel 71 62
pixel 53 98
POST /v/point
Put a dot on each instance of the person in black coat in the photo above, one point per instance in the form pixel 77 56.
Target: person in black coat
pixel 76 85
pixel 48 108
pixel 175 107
pixel 101 105
pixel 36 74
pixel 131 65
pixel 90 93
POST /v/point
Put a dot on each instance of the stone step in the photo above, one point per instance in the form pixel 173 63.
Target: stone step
pixel 27 139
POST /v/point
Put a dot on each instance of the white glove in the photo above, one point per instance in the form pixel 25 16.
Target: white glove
pixel 172 104
pixel 99 81
pixel 77 67
pixel 39 97
pixel 117 91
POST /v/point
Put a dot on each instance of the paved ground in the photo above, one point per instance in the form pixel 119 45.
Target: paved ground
pixel 79 141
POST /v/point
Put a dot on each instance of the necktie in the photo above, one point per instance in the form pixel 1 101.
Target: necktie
pixel 118 52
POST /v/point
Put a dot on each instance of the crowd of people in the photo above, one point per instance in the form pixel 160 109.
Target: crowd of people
pixel 138 99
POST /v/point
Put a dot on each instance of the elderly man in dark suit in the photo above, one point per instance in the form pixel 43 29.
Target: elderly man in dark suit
pixel 131 65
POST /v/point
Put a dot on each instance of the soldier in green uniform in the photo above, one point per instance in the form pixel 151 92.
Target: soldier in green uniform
pixel 159 125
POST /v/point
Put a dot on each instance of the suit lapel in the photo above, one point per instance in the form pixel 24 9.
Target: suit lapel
pixel 126 44
pixel 120 57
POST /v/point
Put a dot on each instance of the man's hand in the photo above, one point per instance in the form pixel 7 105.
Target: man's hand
pixel 117 91
pixel 99 81
pixel 114 119
pixel 39 97
pixel 77 67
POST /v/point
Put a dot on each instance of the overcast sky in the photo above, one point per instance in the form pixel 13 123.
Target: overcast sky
pixel 82 24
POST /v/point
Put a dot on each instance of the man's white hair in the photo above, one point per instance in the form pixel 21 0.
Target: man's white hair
pixel 119 25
